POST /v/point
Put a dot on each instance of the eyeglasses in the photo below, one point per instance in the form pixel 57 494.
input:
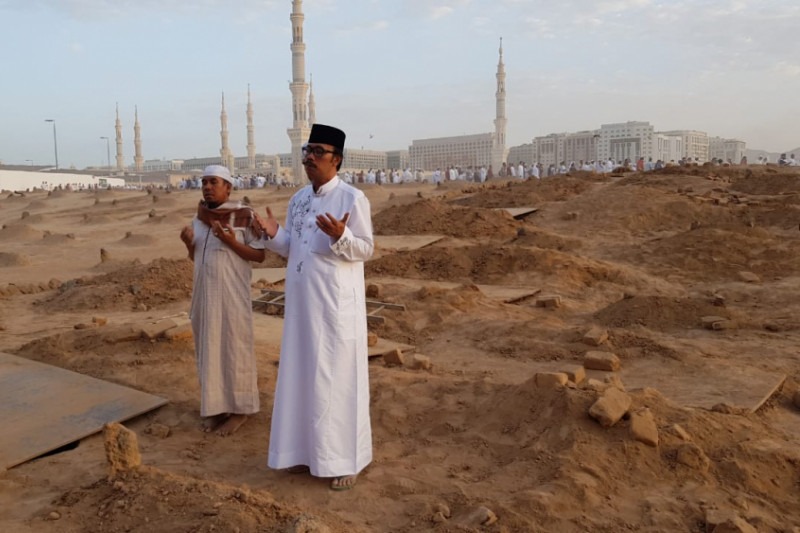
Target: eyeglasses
pixel 317 151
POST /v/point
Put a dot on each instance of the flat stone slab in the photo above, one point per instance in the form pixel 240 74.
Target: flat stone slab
pixel 504 293
pixel 704 384
pixel 519 212
pixel 404 243
pixel 270 275
pixel 44 407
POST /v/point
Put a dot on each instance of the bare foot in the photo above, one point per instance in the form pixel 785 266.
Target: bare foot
pixel 344 482
pixel 211 423
pixel 298 469
pixel 232 423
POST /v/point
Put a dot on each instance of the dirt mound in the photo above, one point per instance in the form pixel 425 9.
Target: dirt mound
pixel 12 259
pixel 22 232
pixel 532 236
pixel 157 283
pixel 436 217
pixel 785 182
pixel 57 238
pixel 530 193
pixel 96 219
pixel 710 253
pixel 493 264
pixel 659 313
pixel 184 504
pixel 37 204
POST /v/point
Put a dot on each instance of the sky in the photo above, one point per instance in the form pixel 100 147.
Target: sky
pixel 388 71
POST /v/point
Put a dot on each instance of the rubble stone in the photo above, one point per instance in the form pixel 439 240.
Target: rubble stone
pixel 550 379
pixel 610 407
pixel 595 336
pixel 394 358
pixel 575 373
pixel 607 361
pixel 643 427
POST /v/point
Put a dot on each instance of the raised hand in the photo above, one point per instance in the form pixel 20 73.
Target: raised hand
pixel 331 226
pixel 268 225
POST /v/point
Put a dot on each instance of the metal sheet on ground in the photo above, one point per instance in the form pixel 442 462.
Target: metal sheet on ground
pixel 270 275
pixel 519 212
pixel 698 384
pixel 44 407
pixel 401 243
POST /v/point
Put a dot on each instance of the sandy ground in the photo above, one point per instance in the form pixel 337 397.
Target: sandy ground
pixel 473 444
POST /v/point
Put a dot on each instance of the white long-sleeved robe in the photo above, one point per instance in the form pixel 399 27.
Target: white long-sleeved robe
pixel 321 413
pixel 222 322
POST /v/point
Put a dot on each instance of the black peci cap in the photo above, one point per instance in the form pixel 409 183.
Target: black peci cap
pixel 322 134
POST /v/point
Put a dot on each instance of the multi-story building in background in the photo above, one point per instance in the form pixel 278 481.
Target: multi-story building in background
pixel 727 150
pixel 694 144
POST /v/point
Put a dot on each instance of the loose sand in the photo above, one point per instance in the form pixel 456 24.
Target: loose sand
pixel 472 444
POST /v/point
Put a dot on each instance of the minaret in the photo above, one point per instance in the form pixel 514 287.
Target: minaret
pixel 118 129
pixel 251 143
pixel 298 133
pixel 499 148
pixel 312 107
pixel 138 160
pixel 225 152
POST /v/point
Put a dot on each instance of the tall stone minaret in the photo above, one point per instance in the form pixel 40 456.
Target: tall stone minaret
pixel 312 106
pixel 138 160
pixel 251 143
pixel 118 129
pixel 298 133
pixel 225 152
pixel 500 122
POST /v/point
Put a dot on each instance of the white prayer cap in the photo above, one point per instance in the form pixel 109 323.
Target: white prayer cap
pixel 218 171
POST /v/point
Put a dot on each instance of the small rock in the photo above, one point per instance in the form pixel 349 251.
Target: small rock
pixel 571 215
pixel 372 338
pixel 54 515
pixel 421 362
pixel 575 373
pixel 749 277
pixel 84 325
pixel 104 255
pixel 610 407
pixel 438 518
pixel 121 447
pixel 158 430
pixel 443 508
pixel 607 361
pixel 152 213
pixel 726 521
pixel 595 385
pixel 595 336
pixel 394 358
pixel 374 290
pixel 99 320
pixel 548 380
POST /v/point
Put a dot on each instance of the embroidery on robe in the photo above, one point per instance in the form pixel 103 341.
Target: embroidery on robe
pixel 299 211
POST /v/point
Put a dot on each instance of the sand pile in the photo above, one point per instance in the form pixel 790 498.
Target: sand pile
pixel 717 253
pixel 20 232
pixel 660 313
pixel 184 504
pixel 152 285
pixel 494 264
pixel 137 239
pixel 12 259
pixel 529 193
pixel 436 217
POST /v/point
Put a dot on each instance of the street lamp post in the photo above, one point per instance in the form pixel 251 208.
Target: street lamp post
pixel 55 139
pixel 108 153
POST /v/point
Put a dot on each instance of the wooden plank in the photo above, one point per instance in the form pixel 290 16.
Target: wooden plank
pixel 44 407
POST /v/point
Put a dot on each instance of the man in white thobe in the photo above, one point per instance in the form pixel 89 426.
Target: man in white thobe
pixel 221 241
pixel 320 420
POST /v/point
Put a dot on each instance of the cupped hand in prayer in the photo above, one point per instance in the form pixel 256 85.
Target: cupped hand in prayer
pixel 268 226
pixel 331 226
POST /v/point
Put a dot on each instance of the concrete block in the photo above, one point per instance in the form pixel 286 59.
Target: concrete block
pixel 575 373
pixel 394 358
pixel 421 362
pixel 643 427
pixel 550 379
pixel 550 301
pixel 157 329
pixel 607 361
pixel 372 339
pixel 595 336
pixel 610 407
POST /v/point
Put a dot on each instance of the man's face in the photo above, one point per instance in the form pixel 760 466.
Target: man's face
pixel 215 190
pixel 320 166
